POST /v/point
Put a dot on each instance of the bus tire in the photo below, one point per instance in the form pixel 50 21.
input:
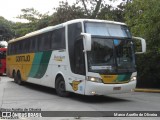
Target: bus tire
pixel 60 87
pixel 19 80
pixel 14 76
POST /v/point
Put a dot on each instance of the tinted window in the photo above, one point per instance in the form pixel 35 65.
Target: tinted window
pixel 2 54
pixel 58 39
pixel 20 50
pixel 47 41
pixel 41 41
pixel 9 49
pixel 74 31
pixel 51 40
pixel 33 44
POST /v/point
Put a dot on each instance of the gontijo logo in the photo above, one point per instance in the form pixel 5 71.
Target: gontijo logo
pixel 23 58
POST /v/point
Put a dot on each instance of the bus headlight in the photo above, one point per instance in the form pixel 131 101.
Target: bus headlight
pixel 133 78
pixel 94 79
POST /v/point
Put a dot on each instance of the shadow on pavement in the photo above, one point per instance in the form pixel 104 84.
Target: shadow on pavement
pixel 73 96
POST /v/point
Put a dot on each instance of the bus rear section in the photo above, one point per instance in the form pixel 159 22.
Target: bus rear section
pixel 3 60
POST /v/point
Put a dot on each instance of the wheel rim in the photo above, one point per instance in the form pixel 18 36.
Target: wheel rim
pixel 61 86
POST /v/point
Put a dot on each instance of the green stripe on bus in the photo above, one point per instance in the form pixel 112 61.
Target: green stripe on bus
pixel 43 64
pixel 124 77
pixel 35 64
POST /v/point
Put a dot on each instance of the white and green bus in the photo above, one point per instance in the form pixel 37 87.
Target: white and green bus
pixel 84 56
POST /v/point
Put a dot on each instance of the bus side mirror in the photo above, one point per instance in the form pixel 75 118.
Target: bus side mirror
pixel 87 41
pixel 143 45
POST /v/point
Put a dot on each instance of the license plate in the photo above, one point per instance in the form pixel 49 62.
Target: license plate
pixel 117 88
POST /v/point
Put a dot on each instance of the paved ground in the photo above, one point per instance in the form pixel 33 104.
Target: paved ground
pixel 39 97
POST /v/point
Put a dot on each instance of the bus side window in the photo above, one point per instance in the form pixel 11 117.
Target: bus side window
pixel 26 44
pixel 58 39
pixel 46 41
pixel 16 48
pixel 34 46
pixel 13 48
pixel 52 40
pixel 41 43
pixel 20 47
pixel 10 50
pixel 9 47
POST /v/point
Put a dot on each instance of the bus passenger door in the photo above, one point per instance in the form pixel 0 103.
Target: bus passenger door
pixel 78 85
pixel 79 58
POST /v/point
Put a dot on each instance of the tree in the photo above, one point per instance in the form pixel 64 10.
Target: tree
pixel 66 12
pixel 108 12
pixel 144 20
pixel 91 7
pixel 100 9
pixel 22 28
pixel 31 15
pixel 6 31
pixel 36 21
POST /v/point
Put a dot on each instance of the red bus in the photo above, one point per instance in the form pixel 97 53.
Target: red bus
pixel 3 60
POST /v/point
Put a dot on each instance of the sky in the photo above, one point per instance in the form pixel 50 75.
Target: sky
pixel 10 9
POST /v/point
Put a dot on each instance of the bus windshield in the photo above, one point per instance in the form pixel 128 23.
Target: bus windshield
pixel 107 29
pixel 111 56
pixel 2 54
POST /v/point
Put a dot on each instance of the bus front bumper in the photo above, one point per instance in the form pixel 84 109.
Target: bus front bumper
pixel 93 88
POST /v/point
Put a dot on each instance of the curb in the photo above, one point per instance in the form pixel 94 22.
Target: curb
pixel 147 90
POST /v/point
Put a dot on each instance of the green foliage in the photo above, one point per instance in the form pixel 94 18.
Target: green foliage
pixel 91 7
pixel 6 31
pixel 22 28
pixel 144 20
pixel 65 12
pixel 110 13
pixel 148 69
pixel 31 15
pixel 35 20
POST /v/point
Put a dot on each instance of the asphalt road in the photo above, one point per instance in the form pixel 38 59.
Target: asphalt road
pixel 34 97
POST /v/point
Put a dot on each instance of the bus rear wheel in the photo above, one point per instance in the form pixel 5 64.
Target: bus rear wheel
pixel 14 77
pixel 18 78
pixel 60 87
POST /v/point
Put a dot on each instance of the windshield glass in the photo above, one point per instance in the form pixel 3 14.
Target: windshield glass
pixel 2 54
pixel 107 29
pixel 111 56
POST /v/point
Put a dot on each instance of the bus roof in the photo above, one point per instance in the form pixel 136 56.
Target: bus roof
pixel 93 20
pixel 50 28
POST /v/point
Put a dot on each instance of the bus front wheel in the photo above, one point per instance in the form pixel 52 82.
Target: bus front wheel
pixel 60 87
